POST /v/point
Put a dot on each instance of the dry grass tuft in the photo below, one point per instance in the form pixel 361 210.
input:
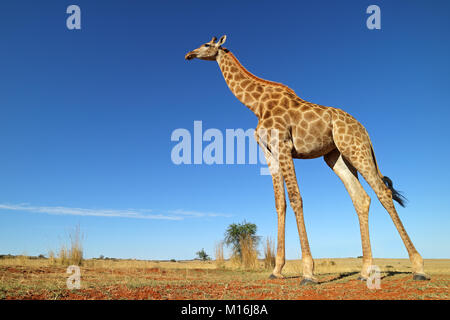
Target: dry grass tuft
pixel 249 258
pixel 76 249
pixel 269 254
pixel 63 256
pixel 218 253
pixel 51 258
pixel 23 259
pixel 69 256
pixel 327 263
pixel 235 262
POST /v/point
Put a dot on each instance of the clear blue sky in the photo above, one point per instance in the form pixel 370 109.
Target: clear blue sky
pixel 87 115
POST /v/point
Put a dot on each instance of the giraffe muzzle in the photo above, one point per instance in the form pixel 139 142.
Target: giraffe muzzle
pixel 189 55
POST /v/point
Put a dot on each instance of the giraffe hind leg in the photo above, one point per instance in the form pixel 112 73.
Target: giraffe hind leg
pixel 384 194
pixel 361 201
pixel 359 154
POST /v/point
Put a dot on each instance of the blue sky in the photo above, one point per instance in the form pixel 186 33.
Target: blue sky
pixel 87 116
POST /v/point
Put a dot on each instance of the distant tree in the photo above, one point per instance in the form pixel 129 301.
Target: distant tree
pixel 238 231
pixel 202 255
pixel 101 257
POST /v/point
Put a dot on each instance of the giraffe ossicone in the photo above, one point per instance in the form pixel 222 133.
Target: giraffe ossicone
pixel 292 128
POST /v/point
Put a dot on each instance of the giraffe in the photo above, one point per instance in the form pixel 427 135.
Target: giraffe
pixel 292 128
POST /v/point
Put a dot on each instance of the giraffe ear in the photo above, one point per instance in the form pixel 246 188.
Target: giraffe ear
pixel 221 41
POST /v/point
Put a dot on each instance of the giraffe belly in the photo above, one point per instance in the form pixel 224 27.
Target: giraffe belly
pixel 311 151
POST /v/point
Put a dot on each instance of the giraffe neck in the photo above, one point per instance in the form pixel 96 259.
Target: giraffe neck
pixel 247 87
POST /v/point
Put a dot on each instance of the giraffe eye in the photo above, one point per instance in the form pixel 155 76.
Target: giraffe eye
pixel 207 45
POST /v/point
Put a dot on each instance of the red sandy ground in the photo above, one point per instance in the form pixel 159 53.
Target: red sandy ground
pixel 201 284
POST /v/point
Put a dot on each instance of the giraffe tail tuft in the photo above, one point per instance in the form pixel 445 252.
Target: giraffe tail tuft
pixel 396 195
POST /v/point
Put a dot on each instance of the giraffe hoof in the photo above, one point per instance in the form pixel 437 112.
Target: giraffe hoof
pixel 420 277
pixel 307 281
pixel 272 276
pixel 361 278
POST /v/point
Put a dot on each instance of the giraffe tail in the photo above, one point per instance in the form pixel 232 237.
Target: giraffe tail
pixel 396 195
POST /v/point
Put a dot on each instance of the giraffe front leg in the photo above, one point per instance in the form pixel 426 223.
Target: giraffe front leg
pixel 280 204
pixel 288 172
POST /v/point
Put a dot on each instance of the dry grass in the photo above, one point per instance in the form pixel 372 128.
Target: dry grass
pixel 291 268
pixel 249 258
pixel 63 256
pixel 51 258
pixel 218 253
pixel 348 265
pixel 72 255
pixel 23 259
pixel 269 254
pixel 76 249
pixel 133 264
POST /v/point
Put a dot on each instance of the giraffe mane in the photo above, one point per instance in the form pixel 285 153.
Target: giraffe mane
pixel 251 75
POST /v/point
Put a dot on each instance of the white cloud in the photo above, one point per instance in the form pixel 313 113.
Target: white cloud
pixel 128 213
pixel 199 214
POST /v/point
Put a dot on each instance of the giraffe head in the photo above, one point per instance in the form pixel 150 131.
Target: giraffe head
pixel 208 51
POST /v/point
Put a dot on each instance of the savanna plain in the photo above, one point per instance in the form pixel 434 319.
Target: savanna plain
pixel 23 277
